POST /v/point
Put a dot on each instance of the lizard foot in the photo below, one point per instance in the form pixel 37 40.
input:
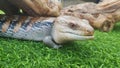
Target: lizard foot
pixel 48 40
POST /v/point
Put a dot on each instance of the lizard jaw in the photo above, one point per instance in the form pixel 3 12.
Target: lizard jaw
pixel 66 37
pixel 79 37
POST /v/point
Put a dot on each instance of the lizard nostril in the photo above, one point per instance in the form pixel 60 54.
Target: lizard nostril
pixel 90 32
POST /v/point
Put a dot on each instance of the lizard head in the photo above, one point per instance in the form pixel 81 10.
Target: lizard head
pixel 69 28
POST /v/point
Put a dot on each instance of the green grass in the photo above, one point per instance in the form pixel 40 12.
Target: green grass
pixel 1 12
pixel 102 52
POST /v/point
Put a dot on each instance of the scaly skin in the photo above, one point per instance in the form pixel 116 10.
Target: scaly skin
pixel 52 31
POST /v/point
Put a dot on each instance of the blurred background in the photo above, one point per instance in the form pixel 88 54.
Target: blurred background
pixel 72 2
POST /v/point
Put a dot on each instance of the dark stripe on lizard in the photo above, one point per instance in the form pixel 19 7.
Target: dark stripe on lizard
pixel 2 21
pixel 19 24
pixel 26 23
pixel 13 22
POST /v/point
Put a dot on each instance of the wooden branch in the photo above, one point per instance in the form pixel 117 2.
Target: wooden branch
pixel 108 4
pixel 39 7
pixel 100 17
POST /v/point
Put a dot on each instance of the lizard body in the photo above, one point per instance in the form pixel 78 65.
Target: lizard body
pixel 52 31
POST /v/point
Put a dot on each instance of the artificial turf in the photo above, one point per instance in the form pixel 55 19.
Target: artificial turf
pixel 102 52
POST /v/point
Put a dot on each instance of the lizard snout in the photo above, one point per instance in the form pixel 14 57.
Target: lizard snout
pixel 89 32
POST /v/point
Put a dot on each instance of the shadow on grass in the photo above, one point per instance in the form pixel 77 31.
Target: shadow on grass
pixel 69 48
pixel 116 27
pixel 75 48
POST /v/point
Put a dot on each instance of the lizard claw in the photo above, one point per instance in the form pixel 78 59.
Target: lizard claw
pixel 57 47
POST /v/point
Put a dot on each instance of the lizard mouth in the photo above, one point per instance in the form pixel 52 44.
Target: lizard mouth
pixel 84 37
pixel 70 36
pixel 79 37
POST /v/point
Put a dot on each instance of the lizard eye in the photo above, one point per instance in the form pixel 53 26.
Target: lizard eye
pixel 73 26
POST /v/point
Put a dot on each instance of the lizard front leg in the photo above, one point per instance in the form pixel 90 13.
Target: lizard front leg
pixel 49 41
